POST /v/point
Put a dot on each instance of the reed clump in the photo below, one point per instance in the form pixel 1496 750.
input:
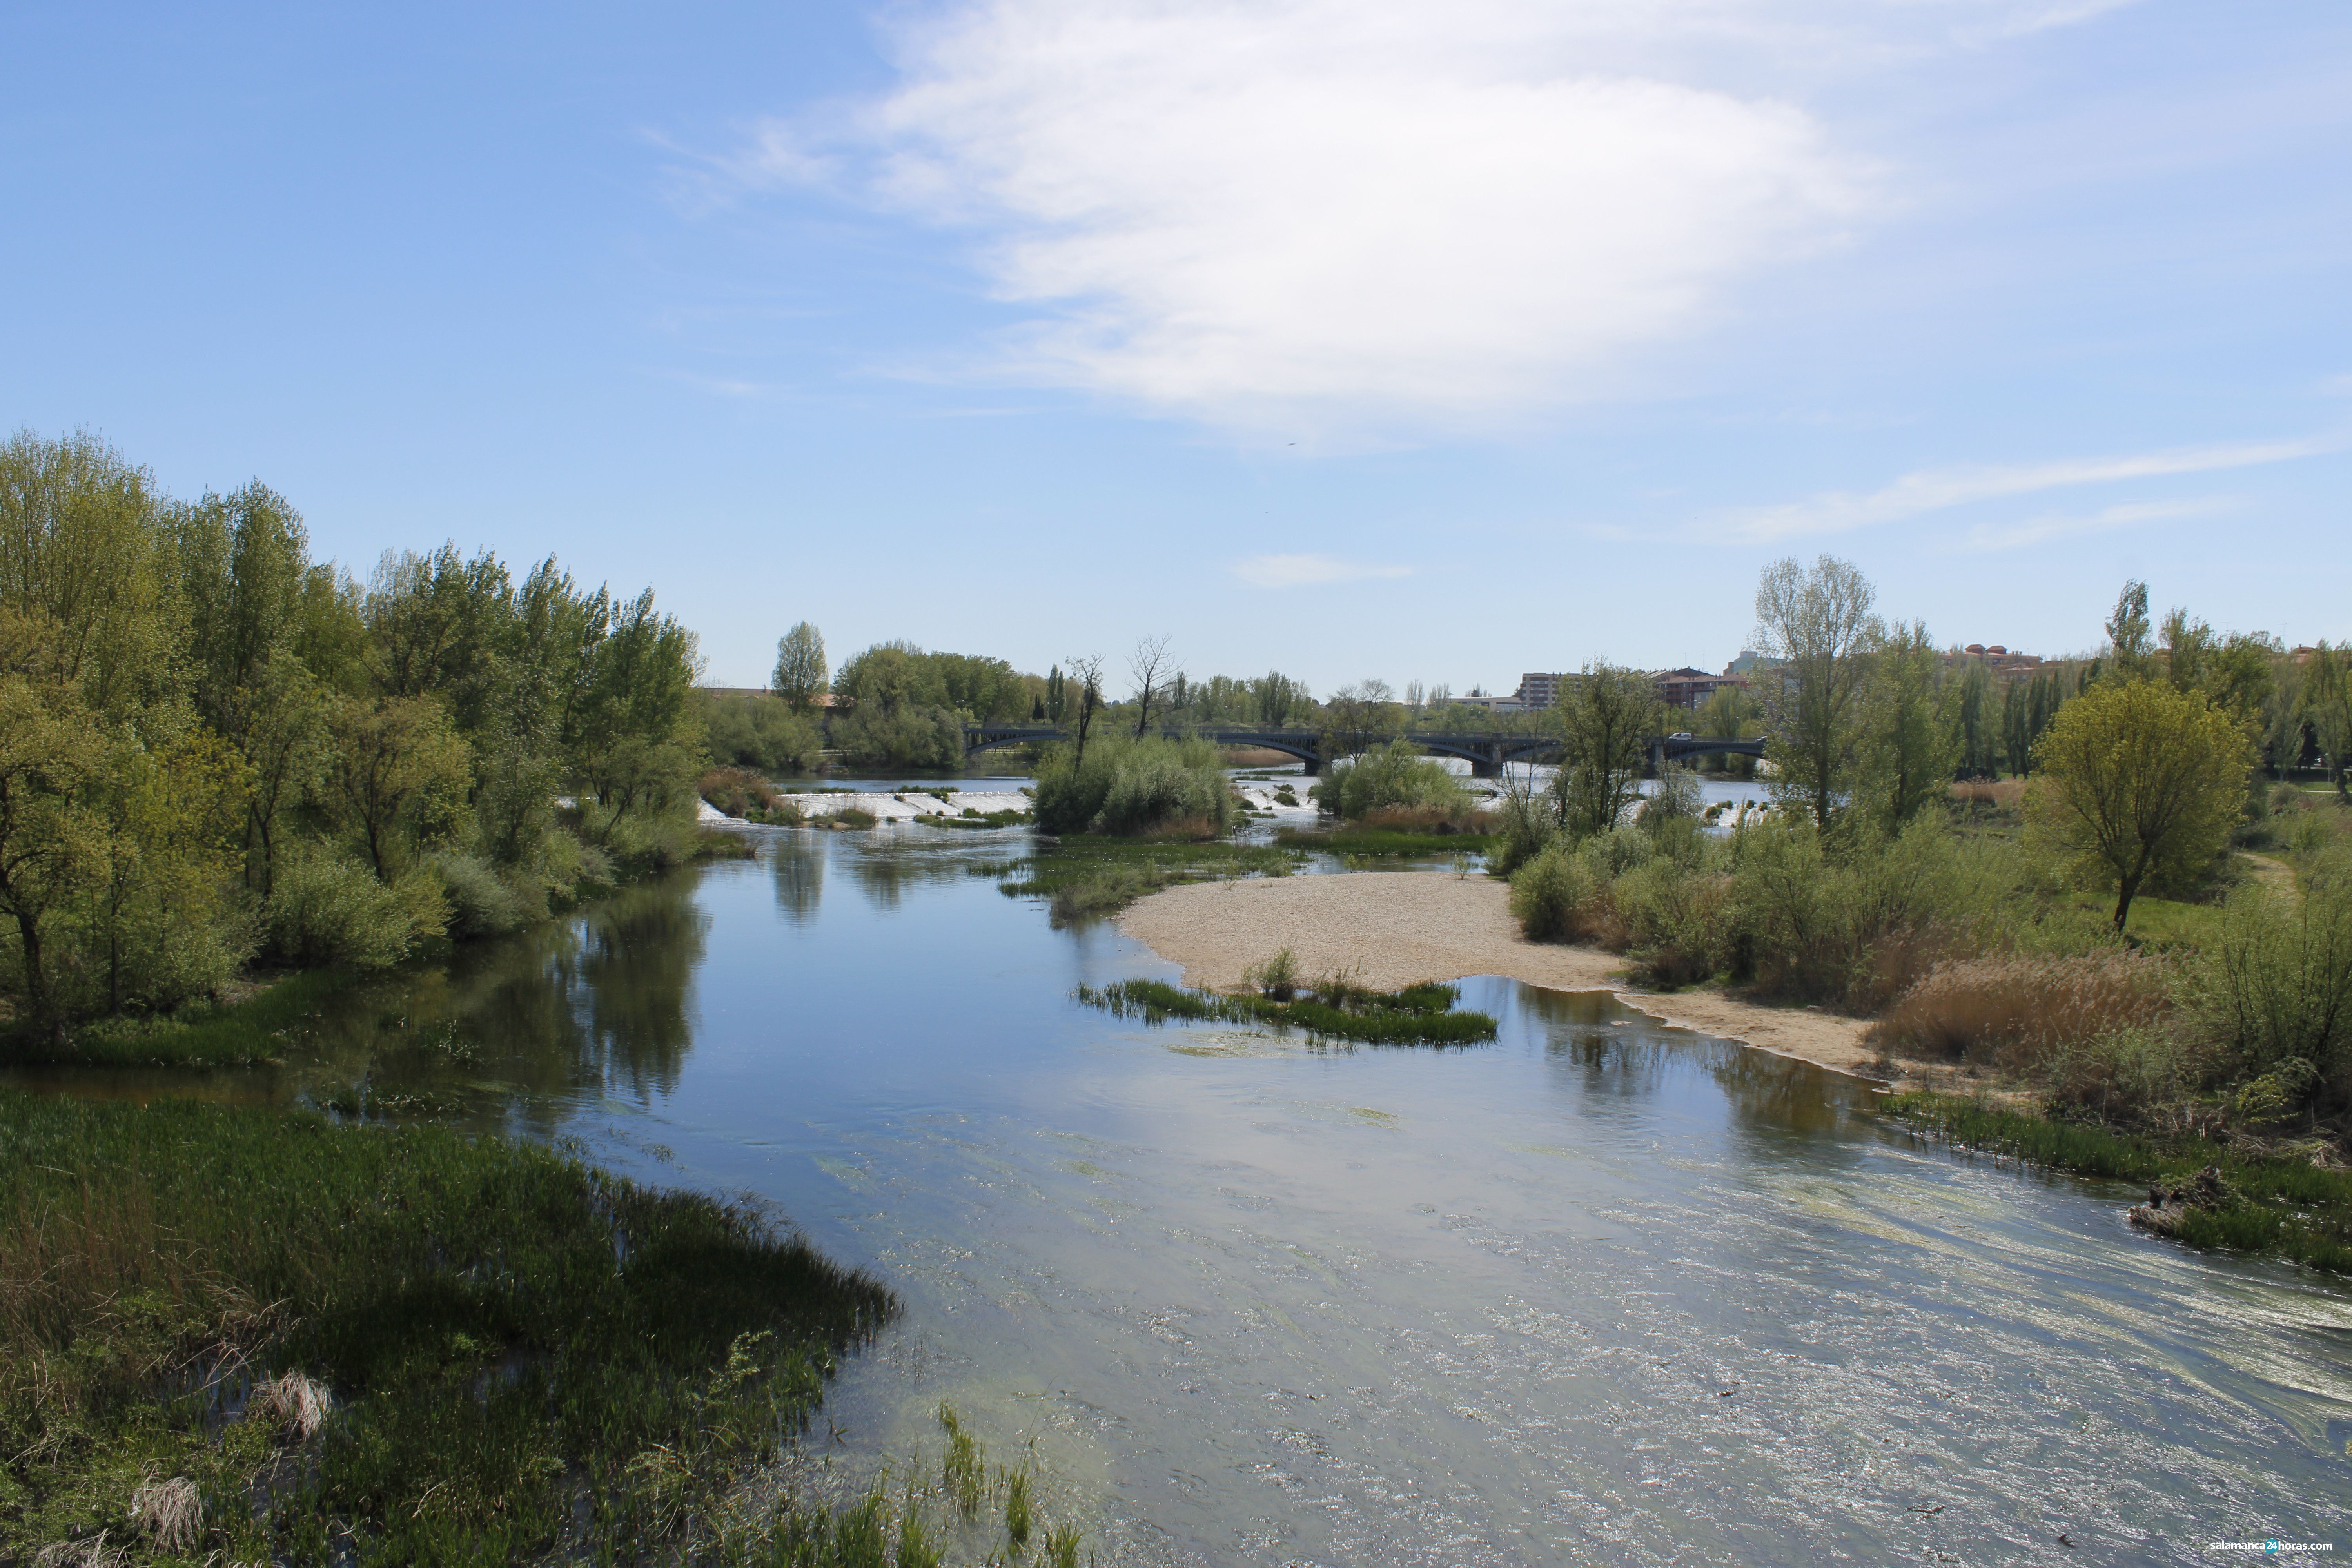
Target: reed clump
pixel 2015 1010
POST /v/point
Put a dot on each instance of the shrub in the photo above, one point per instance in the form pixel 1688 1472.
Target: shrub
pixel 1129 785
pixel 1674 918
pixel 2278 986
pixel 480 901
pixel 904 737
pixel 1276 979
pixel 2019 1010
pixel 755 730
pixel 738 791
pixel 1390 776
pixel 326 909
pixel 1558 897
pixel 1522 829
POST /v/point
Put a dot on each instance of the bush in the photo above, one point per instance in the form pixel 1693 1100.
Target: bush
pixel 2018 1010
pixel 753 731
pixel 1558 897
pixel 904 737
pixel 2278 986
pixel 326 909
pixel 480 901
pixel 1522 829
pixel 1393 776
pixel 1131 786
pixel 739 792
pixel 1675 920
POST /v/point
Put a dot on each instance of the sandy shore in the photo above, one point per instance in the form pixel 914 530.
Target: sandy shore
pixel 1396 928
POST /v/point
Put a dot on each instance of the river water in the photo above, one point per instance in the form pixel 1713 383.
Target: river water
pixel 1599 1291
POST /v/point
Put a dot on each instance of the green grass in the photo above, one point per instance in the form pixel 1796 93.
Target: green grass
pixel 528 1358
pixel 2286 1207
pixel 1378 841
pixel 2159 923
pixel 1087 876
pixel 240 1033
pixel 1419 1016
pixel 972 817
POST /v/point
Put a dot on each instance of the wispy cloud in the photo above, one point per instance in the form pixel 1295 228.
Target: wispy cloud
pixel 2041 530
pixel 1317 211
pixel 1304 571
pixel 1937 489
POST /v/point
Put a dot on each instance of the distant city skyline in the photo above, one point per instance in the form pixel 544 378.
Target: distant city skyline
pixel 1437 343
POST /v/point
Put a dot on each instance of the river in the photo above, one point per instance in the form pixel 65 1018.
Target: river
pixel 1599 1291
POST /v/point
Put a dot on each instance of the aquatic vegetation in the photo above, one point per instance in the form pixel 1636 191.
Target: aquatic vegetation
pixel 1087 876
pixel 1418 1015
pixel 2278 1205
pixel 1373 840
pixel 426 1346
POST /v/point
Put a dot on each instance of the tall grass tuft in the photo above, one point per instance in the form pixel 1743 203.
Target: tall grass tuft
pixel 2017 1010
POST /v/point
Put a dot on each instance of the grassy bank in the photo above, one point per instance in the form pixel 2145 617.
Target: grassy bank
pixel 2274 1204
pixel 247 1332
pixel 1383 841
pixel 1089 874
pixel 1418 1015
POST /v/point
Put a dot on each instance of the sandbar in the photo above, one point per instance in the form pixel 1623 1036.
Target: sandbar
pixel 1392 928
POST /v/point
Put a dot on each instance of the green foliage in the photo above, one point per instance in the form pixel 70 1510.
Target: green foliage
pixel 2143 782
pixel 1818 623
pixel 800 672
pixel 188 701
pixel 1086 875
pixel 2277 984
pixel 1910 739
pixel 899 674
pixel 328 908
pixel 1128 786
pixel 501 1352
pixel 2277 1207
pixel 1333 1010
pixel 765 733
pixel 1607 716
pixel 907 736
pixel 1396 777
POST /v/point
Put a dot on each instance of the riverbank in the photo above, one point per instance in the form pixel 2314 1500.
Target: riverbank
pixel 1390 930
pixel 251 1332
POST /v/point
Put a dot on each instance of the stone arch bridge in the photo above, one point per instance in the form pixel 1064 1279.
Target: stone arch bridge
pixel 1488 755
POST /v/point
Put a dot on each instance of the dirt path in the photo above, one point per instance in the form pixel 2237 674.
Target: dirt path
pixel 1396 928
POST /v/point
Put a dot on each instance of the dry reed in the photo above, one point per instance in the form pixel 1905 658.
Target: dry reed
pixel 2017 1010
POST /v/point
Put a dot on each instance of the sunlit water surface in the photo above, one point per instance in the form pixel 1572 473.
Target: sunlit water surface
pixel 1601 1291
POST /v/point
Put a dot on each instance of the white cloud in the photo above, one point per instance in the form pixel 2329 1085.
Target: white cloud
pixel 1302 571
pixel 1935 489
pixel 1259 210
pixel 2041 530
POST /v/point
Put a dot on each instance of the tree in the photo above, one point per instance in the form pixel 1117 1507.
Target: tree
pixel 2128 656
pixel 800 665
pixel 1909 742
pixel 1818 625
pixel 1151 666
pixel 1358 716
pixel 51 846
pixel 2140 780
pixel 1729 712
pixel 1607 716
pixel 1278 698
pixel 398 774
pixel 1087 671
pixel 2328 702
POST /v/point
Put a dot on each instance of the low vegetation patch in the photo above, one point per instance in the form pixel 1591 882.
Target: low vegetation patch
pixel 247 1334
pixel 1088 876
pixel 245 1033
pixel 1330 1010
pixel 2275 1203
pixel 1370 840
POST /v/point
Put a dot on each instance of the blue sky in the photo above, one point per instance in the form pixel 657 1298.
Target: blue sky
pixel 1422 342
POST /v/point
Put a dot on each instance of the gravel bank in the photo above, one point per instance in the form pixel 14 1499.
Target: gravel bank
pixel 1396 928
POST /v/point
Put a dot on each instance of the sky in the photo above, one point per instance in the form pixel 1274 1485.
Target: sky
pixel 1432 343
